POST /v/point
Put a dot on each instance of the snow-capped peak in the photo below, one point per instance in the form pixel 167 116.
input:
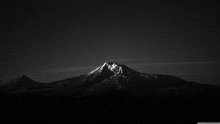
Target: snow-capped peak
pixel 98 69
pixel 114 67
pixel 108 66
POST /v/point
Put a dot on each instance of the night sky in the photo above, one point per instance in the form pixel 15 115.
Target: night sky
pixel 53 40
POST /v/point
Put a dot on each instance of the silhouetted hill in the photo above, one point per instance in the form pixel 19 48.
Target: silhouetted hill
pixel 22 80
pixel 21 83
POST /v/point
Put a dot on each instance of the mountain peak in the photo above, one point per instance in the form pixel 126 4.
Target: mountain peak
pixel 114 67
pixel 22 80
pixel 22 76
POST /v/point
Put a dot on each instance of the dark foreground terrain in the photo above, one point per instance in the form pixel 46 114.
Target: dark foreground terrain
pixel 176 105
pixel 110 93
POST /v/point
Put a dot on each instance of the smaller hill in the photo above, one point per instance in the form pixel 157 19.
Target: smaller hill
pixel 22 81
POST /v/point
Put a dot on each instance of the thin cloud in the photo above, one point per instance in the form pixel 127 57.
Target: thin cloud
pixel 181 63
pixel 71 69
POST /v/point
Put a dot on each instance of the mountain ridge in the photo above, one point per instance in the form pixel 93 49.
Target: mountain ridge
pixel 106 77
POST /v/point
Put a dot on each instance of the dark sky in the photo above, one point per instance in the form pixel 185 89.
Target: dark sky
pixel 54 40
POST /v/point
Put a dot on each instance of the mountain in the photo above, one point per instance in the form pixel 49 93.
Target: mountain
pixel 117 76
pixel 22 80
pixel 107 77
pixel 111 93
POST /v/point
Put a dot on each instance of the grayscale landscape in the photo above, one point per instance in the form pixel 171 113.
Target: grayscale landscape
pixel 93 61
pixel 112 92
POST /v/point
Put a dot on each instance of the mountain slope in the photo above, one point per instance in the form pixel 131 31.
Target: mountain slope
pixel 67 82
pixel 112 75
